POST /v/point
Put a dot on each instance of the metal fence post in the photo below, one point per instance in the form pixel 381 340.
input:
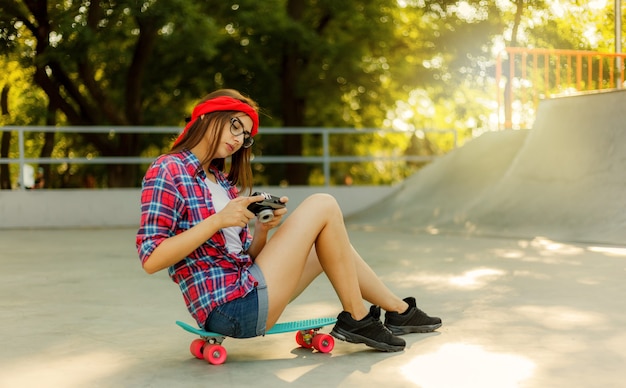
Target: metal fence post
pixel 326 148
pixel 618 43
pixel 21 156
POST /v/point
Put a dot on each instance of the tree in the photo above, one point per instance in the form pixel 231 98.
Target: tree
pixel 97 61
pixel 120 63
pixel 379 63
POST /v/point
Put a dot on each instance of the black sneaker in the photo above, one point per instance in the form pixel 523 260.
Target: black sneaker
pixel 369 331
pixel 413 320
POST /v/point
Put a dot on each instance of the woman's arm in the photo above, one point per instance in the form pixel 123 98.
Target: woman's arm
pixel 258 240
pixel 173 249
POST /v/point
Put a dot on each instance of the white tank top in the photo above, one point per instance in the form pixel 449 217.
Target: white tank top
pixel 220 198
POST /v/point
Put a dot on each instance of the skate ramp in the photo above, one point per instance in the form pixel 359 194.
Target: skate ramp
pixel 563 179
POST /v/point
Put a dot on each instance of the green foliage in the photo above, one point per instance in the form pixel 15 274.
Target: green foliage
pixel 401 64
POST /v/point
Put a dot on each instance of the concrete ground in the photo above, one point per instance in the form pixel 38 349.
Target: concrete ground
pixel 482 238
pixel 78 311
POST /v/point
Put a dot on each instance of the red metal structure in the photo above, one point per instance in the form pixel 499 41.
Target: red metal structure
pixel 524 76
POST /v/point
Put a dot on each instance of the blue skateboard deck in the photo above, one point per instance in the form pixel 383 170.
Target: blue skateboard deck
pixel 209 346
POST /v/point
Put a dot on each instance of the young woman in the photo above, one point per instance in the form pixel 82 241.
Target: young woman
pixel 195 224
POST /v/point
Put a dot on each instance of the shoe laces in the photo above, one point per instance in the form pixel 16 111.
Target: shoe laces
pixel 375 312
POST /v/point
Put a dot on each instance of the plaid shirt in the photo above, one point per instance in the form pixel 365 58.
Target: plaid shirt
pixel 174 198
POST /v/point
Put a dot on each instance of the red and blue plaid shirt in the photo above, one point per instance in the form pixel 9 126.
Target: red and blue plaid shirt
pixel 174 198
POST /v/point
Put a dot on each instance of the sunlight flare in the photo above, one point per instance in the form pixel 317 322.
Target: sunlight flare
pixel 467 365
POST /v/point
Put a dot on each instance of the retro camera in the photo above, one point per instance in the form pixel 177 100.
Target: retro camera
pixel 264 209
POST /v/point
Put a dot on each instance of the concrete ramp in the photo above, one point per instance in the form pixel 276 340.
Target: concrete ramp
pixel 564 179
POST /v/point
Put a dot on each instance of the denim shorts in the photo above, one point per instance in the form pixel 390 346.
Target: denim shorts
pixel 243 317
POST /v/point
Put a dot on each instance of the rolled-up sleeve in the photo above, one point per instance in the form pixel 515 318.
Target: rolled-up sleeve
pixel 160 204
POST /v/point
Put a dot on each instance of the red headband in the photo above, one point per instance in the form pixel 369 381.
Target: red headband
pixel 219 104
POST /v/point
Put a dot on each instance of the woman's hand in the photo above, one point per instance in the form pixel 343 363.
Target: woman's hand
pixel 261 229
pixel 274 222
pixel 236 212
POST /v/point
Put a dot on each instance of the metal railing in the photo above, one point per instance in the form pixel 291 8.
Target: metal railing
pixel 534 73
pixel 326 159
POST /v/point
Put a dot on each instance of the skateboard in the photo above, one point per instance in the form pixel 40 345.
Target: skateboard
pixel 209 345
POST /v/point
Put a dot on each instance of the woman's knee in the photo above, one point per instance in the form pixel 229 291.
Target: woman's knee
pixel 317 208
pixel 323 203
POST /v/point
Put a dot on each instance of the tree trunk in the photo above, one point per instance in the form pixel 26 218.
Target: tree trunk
pixel 48 144
pixel 5 142
pixel 124 175
pixel 293 105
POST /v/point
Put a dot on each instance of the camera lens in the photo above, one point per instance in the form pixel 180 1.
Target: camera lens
pixel 266 215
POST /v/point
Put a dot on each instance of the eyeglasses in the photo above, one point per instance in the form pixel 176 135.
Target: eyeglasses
pixel 236 128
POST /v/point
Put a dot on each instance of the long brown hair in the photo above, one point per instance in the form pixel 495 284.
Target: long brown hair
pixel 240 172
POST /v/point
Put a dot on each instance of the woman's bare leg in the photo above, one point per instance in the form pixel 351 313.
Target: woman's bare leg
pixel 312 269
pixel 372 288
pixel 317 221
